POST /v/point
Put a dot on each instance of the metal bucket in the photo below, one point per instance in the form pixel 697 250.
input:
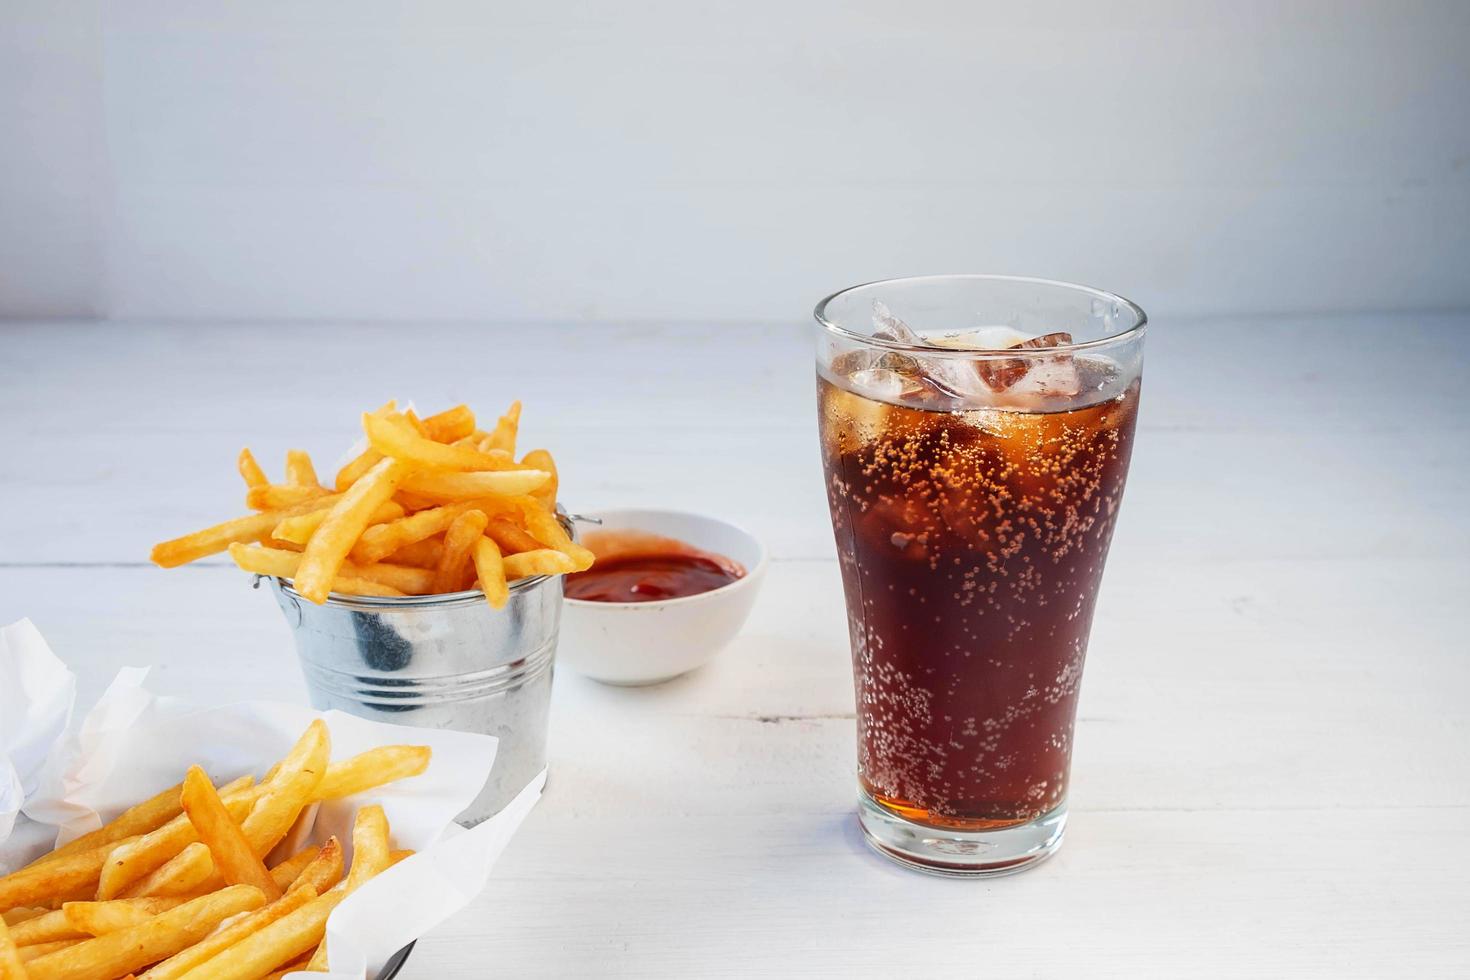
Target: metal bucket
pixel 439 661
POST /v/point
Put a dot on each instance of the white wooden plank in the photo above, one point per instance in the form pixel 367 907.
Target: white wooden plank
pixel 791 893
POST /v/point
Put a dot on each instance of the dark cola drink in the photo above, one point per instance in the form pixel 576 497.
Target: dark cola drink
pixel 973 504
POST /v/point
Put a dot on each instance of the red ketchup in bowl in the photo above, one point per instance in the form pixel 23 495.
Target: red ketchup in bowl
pixel 635 566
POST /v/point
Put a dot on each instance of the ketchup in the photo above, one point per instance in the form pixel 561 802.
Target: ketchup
pixel 634 566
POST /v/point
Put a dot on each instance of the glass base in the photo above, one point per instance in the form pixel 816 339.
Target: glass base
pixel 958 853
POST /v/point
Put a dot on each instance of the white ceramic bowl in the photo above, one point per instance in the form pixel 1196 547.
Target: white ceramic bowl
pixel 633 643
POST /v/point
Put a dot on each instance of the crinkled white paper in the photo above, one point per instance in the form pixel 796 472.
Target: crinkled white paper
pixel 134 745
pixel 36 696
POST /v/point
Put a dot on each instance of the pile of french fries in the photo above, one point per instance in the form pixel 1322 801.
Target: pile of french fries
pixel 200 883
pixel 431 506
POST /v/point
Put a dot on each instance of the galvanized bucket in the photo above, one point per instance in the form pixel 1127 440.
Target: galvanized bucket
pixel 439 661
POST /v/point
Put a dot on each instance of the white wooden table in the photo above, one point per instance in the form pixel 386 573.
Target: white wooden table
pixel 1272 775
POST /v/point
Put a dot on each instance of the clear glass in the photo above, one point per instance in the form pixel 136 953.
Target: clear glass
pixel 973 487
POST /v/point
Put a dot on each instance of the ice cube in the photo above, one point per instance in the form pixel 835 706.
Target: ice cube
pixel 885 384
pixel 981 338
pixel 889 327
pixel 1033 376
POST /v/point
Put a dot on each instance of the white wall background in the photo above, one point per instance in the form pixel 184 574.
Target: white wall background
pixel 731 160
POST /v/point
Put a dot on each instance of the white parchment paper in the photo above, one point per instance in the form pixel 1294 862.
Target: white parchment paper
pixel 133 745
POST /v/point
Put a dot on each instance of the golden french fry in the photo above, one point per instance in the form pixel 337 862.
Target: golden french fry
pixel 463 486
pixel 48 927
pixel 510 537
pixel 72 874
pixel 212 540
pixel 161 936
pixel 450 425
pixel 420 554
pixel 271 945
pixel 382 540
pixel 189 872
pixel 286 873
pixel 290 789
pixel 21 913
pixel 149 815
pixel 458 541
pixel 370 856
pixel 299 471
pixel 384 579
pixel 392 435
pixel 11 967
pixel 298 530
pixel 38 950
pixel 345 585
pixel 100 918
pixel 504 436
pixel 544 527
pixel 275 496
pixel 491 572
pixel 233 857
pixel 373 768
pixel 540 459
pixel 395 856
pixel 362 462
pixel 342 528
pixel 544 561
pixel 232 932
pixel 250 470
pixel 323 872
pixel 137 858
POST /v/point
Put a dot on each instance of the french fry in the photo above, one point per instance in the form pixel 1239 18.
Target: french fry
pixel 342 528
pixel 504 436
pixel 149 815
pixel 232 932
pixel 273 944
pixel 275 496
pixel 540 459
pixel 11 967
pixel 491 572
pixel 402 579
pixel 100 918
pixel 392 436
pixel 382 540
pixel 212 540
pixel 348 586
pixel 188 872
pixel 274 810
pixel 134 859
pixel 250 470
pixel 299 530
pixel 450 425
pixel 463 486
pixel 420 554
pixel 510 537
pixel 395 856
pixel 299 470
pixel 542 562
pixel 286 873
pixel 458 541
pixel 324 871
pixel 161 936
pixel 290 789
pixel 371 769
pixel 21 913
pixel 358 466
pixel 544 527
pixel 65 876
pixel 38 950
pixel 370 856
pixel 233 857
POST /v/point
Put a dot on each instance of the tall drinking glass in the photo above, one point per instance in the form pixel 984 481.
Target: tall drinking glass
pixel 975 435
